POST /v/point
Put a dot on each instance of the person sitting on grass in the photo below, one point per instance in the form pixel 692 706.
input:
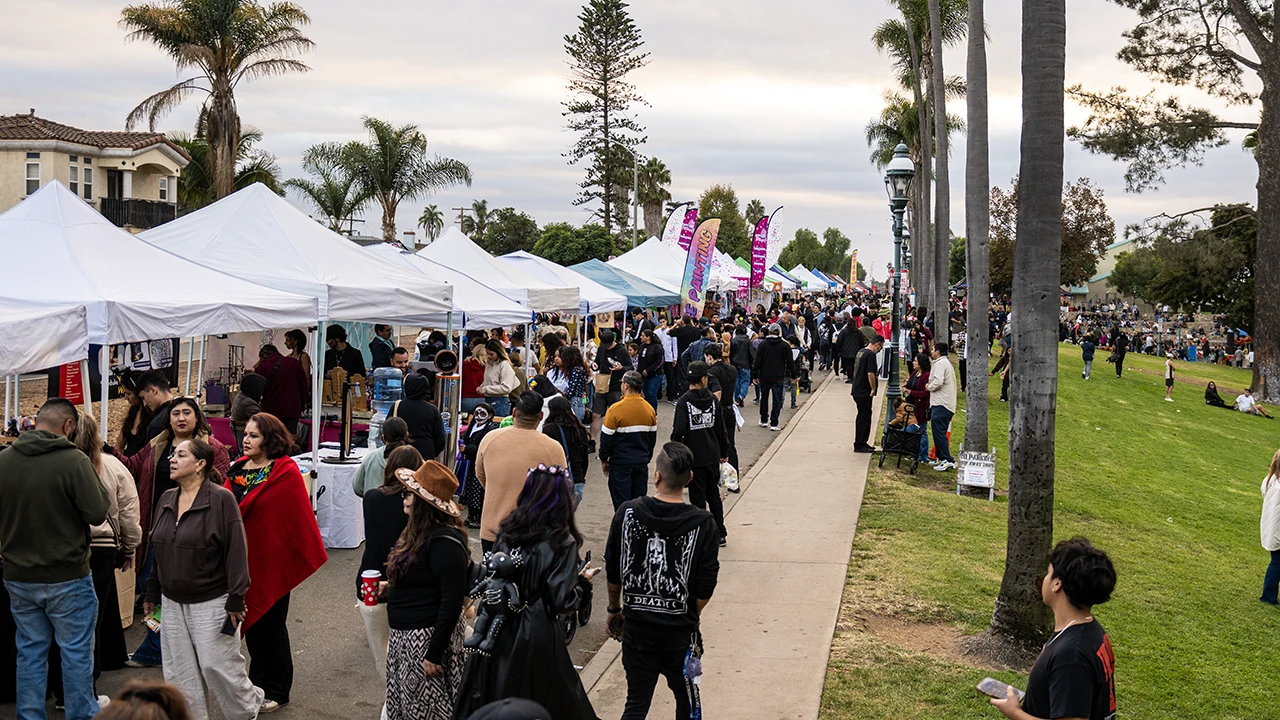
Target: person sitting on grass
pixel 1246 404
pixel 1074 677
pixel 1212 398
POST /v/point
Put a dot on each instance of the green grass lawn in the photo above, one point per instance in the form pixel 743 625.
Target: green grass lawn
pixel 1169 490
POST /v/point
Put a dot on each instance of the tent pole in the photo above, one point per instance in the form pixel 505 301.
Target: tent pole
pixel 191 349
pixel 448 331
pixel 8 392
pixel 200 373
pixel 17 395
pixel 317 400
pixel 528 349
pixel 102 394
pixel 86 395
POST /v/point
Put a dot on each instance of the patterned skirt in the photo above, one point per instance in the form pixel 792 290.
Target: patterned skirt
pixel 411 695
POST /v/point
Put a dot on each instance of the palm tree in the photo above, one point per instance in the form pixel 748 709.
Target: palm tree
pixel 475 224
pixel 942 173
pixel 432 222
pixel 1020 616
pixel 977 217
pixel 755 210
pixel 655 178
pixel 394 166
pixel 224 42
pixel 253 165
pixel 334 192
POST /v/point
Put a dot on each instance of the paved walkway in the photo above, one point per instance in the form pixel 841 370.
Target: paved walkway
pixel 769 626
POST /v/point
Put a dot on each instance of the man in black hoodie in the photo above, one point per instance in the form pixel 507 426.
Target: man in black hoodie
pixel 699 424
pixel 662 568
pixel 773 366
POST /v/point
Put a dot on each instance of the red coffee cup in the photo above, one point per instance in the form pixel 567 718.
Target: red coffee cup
pixel 369 580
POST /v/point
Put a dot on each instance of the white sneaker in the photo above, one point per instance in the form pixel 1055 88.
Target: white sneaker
pixel 1168 399
pixel 944 466
pixel 103 701
pixel 764 424
pixel 773 428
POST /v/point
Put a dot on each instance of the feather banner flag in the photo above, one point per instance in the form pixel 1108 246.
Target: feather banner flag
pixel 686 230
pixel 697 268
pixel 776 242
pixel 853 266
pixel 759 251
pixel 671 228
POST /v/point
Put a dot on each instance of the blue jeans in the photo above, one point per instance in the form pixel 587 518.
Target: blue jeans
pixel 627 482
pixel 148 652
pixel 501 406
pixel 653 386
pixel 940 420
pixel 1272 581
pixel 744 382
pixel 470 404
pixel 774 390
pixel 924 440
pixel 68 613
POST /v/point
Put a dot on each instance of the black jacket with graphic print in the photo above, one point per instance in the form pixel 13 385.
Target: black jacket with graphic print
pixel 666 558
pixel 700 426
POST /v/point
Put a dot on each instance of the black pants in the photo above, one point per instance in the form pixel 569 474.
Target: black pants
pixel 771 391
pixel 862 428
pixel 627 482
pixel 669 369
pixel 704 492
pixel 846 367
pixel 1119 363
pixel 270 659
pixel 963 366
pixel 486 546
pixel 646 655
pixel 730 430
pixel 1004 384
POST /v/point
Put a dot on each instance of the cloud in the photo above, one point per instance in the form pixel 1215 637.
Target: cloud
pixel 771 98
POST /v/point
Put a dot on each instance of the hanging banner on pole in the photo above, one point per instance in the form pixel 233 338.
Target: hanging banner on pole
pixel 853 267
pixel 759 251
pixel 688 227
pixel 697 267
pixel 671 228
pixel 776 241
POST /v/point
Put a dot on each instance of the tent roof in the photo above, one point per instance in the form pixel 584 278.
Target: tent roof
pixel 824 277
pixel 653 262
pixel 256 235
pixel 803 273
pixel 457 251
pixel 36 337
pixel 60 251
pixel 639 292
pixel 593 297
pixel 475 306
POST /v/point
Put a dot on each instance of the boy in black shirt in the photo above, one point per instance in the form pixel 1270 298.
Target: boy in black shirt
pixel 700 425
pixel 1074 677
pixel 662 563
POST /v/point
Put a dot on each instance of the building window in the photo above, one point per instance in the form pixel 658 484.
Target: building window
pixel 88 161
pixel 75 158
pixel 164 189
pixel 33 156
pixel 88 182
pixel 33 175
pixel 75 179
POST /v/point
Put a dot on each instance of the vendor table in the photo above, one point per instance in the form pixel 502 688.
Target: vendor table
pixel 339 512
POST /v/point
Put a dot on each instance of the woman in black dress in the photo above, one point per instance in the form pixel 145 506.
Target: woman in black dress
pixel 530 658
pixel 482 423
pixel 564 427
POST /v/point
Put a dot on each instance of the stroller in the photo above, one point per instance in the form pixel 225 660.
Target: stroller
pixel 804 381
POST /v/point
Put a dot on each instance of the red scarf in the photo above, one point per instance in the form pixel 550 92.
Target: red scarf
pixel 284 541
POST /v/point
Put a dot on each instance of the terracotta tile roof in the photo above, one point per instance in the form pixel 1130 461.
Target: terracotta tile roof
pixel 30 127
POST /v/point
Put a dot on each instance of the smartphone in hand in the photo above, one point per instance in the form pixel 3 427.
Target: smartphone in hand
pixel 229 627
pixel 997 689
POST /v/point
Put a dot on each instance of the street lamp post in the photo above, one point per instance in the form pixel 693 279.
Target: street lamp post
pixel 897 182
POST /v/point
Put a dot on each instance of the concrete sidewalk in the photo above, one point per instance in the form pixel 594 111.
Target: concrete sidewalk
pixel 768 628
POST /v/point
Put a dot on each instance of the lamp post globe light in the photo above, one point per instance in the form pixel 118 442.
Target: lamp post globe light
pixel 897 183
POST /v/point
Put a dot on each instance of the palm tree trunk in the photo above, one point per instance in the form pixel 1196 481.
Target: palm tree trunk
pixel 1266 271
pixel 389 204
pixel 977 216
pixel 922 259
pixel 1020 617
pixel 942 213
pixel 223 134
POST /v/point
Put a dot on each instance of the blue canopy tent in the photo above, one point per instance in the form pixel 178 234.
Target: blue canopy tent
pixel 639 293
pixel 823 277
pixel 777 270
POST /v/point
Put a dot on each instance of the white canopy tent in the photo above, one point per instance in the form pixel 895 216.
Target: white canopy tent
pixel 457 252
pixel 256 235
pixel 656 262
pixel 593 297
pixel 812 282
pixel 479 307
pixel 35 337
pixel 59 251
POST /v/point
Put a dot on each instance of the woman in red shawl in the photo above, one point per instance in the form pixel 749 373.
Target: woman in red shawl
pixel 284 549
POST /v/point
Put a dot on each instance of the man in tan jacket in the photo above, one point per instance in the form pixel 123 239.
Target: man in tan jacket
pixel 504 459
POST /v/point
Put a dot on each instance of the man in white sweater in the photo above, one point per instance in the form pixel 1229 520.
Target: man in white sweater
pixel 942 402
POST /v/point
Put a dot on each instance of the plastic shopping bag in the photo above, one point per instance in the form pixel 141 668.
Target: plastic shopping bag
pixel 728 478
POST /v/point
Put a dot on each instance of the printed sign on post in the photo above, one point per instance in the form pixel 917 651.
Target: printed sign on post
pixel 977 469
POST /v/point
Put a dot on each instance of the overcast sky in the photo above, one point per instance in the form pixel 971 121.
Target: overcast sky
pixel 769 97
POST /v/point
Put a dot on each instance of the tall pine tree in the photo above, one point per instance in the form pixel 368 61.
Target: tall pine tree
pixel 603 51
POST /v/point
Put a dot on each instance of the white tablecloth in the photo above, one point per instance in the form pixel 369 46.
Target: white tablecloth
pixel 338 511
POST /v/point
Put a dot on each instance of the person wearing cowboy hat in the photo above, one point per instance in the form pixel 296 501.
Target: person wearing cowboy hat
pixel 427 584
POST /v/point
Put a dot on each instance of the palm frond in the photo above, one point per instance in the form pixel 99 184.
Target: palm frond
pixel 161 103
